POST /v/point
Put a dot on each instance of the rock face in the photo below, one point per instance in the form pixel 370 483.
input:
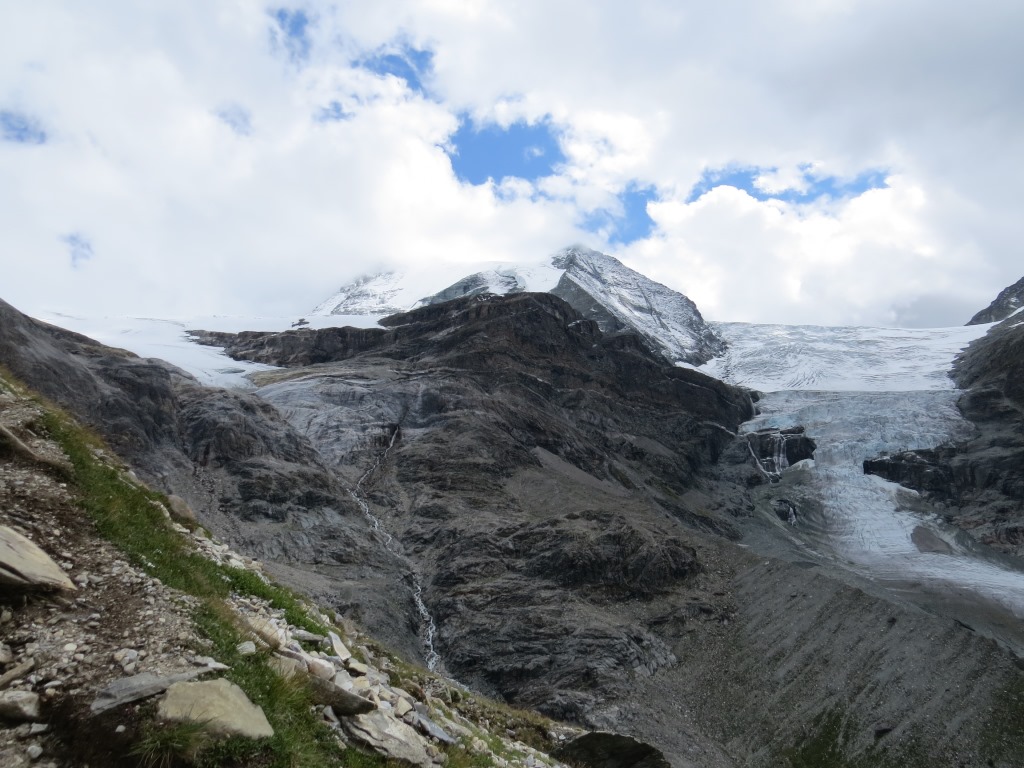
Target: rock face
pixel 219 705
pixel 535 476
pixel 1009 300
pixel 980 481
pixel 240 467
pixel 776 450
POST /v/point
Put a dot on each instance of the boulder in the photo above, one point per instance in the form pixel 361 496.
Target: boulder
pixel 180 510
pixel 389 737
pixel 220 705
pixel 286 666
pixel 22 706
pixel 141 686
pixel 23 564
pixel 320 668
pixel 340 700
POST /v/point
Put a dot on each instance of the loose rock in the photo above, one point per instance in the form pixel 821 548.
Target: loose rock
pixel 219 705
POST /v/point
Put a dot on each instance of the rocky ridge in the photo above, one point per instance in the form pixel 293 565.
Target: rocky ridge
pixel 1009 300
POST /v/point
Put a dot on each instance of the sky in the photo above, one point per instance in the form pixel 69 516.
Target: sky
pixel 828 162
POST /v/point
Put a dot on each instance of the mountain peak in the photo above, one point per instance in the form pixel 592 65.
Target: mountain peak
pixel 598 286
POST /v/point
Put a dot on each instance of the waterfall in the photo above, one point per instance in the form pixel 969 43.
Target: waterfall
pixel 427 625
pixel 778 460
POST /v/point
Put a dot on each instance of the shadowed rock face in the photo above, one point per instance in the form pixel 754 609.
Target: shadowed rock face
pixel 981 480
pixel 611 750
pixel 536 477
pixel 246 472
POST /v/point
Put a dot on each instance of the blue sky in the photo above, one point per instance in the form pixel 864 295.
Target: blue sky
pixel 21 128
pixel 846 168
pixel 489 151
pixel 814 185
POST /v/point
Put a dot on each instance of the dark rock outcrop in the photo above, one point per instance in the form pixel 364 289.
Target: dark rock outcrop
pixel 778 449
pixel 1009 300
pixel 537 474
pixel 611 750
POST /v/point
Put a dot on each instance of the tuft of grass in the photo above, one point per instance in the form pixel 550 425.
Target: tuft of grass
pixel 168 746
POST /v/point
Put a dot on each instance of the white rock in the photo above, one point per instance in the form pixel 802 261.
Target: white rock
pixel 219 705
pixel 23 564
pixel 286 666
pixel 338 647
pixel 248 648
pixel 390 737
pixel 356 668
pixel 19 705
pixel 320 668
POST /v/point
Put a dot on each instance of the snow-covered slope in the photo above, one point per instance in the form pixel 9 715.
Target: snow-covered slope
pixel 169 340
pixel 620 299
pixel 770 358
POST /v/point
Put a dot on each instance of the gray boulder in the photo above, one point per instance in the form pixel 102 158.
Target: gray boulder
pixel 220 705
pixel 389 737
pixel 25 565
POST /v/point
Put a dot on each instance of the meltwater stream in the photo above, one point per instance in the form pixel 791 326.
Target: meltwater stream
pixel 858 393
pixel 431 656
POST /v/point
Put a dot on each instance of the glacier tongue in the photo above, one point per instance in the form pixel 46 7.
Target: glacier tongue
pixel 859 393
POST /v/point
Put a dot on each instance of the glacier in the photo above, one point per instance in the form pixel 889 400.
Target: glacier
pixel 860 393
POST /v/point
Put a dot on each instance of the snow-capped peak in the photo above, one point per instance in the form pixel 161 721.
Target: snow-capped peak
pixel 598 286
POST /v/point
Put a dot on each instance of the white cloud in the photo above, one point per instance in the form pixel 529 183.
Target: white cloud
pixel 183 146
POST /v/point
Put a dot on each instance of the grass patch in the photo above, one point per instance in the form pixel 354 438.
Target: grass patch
pixel 161 746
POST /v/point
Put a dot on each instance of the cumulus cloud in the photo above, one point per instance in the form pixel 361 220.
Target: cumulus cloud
pixel 249 157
